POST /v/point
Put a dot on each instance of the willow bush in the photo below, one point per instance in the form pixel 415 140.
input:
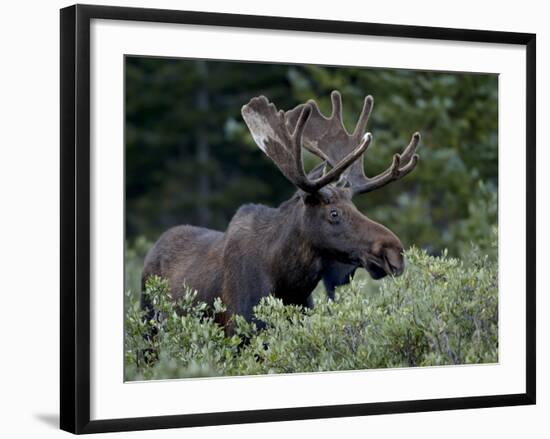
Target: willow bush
pixel 441 311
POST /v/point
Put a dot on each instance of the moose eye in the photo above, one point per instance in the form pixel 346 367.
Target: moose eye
pixel 334 216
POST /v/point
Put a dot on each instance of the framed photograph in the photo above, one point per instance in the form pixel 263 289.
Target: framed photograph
pixel 267 219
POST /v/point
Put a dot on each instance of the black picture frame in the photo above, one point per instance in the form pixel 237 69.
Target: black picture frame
pixel 75 217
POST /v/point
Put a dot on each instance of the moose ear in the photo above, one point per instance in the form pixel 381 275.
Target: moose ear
pixel 343 182
pixel 318 171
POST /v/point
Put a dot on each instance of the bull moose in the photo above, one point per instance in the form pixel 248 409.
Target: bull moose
pixel 317 234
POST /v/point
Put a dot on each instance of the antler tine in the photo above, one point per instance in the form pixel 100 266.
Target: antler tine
pixel 361 125
pixel 411 148
pixel 336 99
pixel 297 144
pixel 401 165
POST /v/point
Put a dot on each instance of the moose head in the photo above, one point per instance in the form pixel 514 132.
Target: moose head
pixel 330 222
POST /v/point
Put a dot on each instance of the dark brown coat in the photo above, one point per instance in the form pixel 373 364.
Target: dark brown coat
pixel 274 251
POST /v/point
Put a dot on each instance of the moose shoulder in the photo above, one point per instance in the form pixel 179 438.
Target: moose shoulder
pixel 286 251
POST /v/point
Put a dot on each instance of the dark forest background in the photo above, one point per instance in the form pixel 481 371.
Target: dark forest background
pixel 190 159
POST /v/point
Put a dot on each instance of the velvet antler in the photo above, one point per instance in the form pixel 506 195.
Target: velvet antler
pixel 283 144
pixel 329 139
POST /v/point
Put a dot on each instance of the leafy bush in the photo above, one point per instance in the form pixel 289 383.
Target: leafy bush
pixel 133 263
pixel 441 311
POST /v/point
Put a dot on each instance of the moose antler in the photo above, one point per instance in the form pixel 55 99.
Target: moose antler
pixel 328 138
pixel 271 133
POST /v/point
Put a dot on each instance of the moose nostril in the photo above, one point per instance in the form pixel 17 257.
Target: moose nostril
pixel 395 268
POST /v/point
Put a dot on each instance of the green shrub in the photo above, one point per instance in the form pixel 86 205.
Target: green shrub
pixel 134 255
pixel 441 311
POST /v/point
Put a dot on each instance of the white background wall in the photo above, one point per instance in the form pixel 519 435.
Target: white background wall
pixel 29 206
